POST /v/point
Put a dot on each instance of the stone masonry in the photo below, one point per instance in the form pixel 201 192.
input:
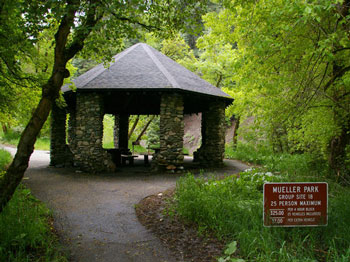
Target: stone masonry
pixel 170 156
pixel 71 131
pixel 59 151
pixel 89 154
pixel 211 153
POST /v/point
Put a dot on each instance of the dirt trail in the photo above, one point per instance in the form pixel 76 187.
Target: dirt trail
pixel 95 215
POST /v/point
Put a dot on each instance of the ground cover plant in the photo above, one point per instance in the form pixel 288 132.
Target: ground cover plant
pixel 12 138
pixel 25 230
pixel 5 159
pixel 233 209
pixel 303 165
pixel 26 227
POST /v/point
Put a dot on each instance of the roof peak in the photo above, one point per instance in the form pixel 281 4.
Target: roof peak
pixel 160 66
pixel 143 67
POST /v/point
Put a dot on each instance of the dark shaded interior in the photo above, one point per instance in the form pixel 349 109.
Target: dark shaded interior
pixel 146 102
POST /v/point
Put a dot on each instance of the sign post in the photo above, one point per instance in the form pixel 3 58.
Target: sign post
pixel 295 204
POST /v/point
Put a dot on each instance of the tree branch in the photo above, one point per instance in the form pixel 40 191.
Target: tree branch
pixel 83 31
pixel 342 49
pixel 129 20
pixel 340 73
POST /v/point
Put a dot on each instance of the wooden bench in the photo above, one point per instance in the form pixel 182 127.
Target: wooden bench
pixel 129 158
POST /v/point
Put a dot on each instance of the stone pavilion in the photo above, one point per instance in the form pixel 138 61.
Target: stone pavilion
pixel 139 81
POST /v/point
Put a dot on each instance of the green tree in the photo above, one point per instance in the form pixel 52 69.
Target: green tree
pixel 291 71
pixel 88 27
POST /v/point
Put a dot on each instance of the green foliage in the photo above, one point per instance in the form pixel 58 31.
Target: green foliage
pixel 231 249
pixel 12 138
pixel 177 49
pixel 27 41
pixel 232 208
pixel 287 67
pixel 108 132
pixel 153 133
pixel 25 230
pixel 302 164
pixel 5 159
pixel 23 96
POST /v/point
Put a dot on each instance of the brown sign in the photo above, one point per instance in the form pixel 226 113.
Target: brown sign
pixel 295 204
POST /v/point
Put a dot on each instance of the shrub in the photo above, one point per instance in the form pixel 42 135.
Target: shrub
pixel 25 233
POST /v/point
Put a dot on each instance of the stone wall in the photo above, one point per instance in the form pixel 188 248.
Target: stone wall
pixel 71 131
pixel 170 156
pixel 211 153
pixel 59 151
pixel 89 154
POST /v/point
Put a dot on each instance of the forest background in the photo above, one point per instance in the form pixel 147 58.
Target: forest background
pixel 284 62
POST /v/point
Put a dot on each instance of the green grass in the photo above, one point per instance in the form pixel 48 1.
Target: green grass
pixel 26 227
pixel 233 207
pixel 12 138
pixel 296 164
pixel 25 230
pixel 5 159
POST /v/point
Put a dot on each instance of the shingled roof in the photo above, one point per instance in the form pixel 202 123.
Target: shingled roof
pixel 141 67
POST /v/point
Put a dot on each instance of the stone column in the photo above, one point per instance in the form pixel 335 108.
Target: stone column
pixel 89 155
pixel 123 138
pixel 58 147
pixel 212 151
pixel 171 156
pixel 116 131
pixel 72 130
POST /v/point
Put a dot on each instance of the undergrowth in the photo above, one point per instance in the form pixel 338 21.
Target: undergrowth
pixel 5 159
pixel 26 227
pixel 233 209
pixel 25 230
pixel 290 164
pixel 12 138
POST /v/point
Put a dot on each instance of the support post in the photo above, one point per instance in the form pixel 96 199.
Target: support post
pixel 89 155
pixel 123 131
pixel 170 156
pixel 212 151
pixel 59 155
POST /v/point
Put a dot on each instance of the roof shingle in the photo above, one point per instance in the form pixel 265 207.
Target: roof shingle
pixel 143 67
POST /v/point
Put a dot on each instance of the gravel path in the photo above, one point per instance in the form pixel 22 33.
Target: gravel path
pixel 95 215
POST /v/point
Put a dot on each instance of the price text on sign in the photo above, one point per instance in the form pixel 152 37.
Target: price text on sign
pixel 295 204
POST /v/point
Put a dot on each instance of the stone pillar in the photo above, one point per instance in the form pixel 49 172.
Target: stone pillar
pixel 89 155
pixel 116 131
pixel 58 147
pixel 171 156
pixel 123 138
pixel 72 131
pixel 212 151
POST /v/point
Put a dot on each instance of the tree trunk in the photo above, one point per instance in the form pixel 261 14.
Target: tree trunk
pixel 235 128
pixel 133 127
pixel 4 128
pixel 144 129
pixel 50 91
pixel 337 149
pixel 15 172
